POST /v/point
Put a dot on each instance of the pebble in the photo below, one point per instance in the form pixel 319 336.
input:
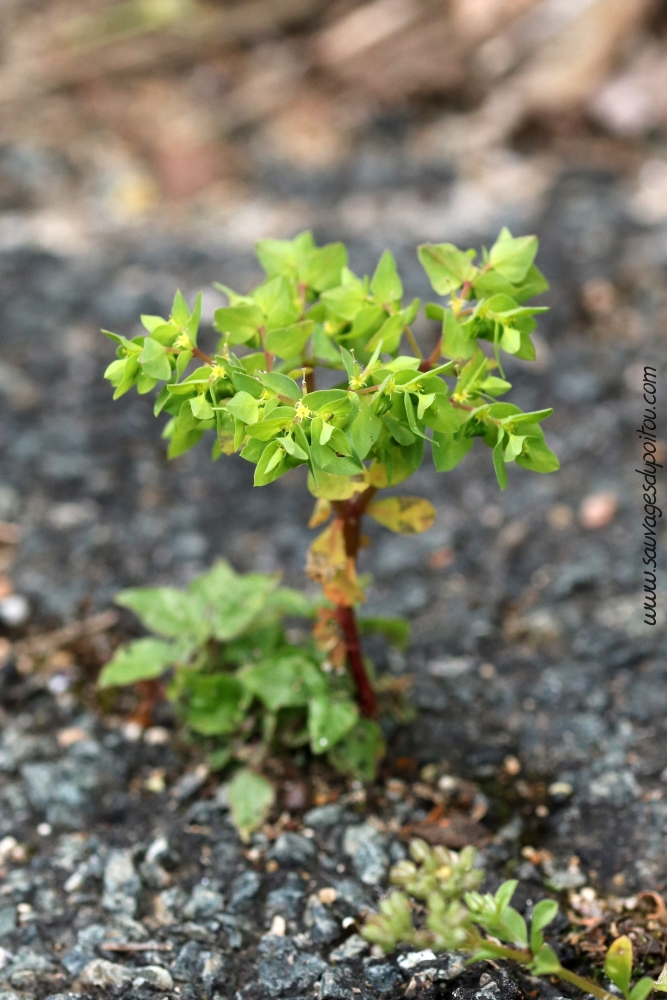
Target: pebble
pixel 598 510
pixel 283 968
pixel 367 847
pixel 121 884
pixel 293 849
pixel 353 947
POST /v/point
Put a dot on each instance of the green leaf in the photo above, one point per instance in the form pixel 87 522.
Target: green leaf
pixel 280 256
pixel 290 341
pixel 283 682
pixel 251 799
pixel 154 359
pixel 293 602
pixel 283 385
pixel 446 266
pixel 395 630
pixel 346 300
pixel 360 751
pixel 179 310
pixel 247 383
pixel 449 450
pixel 216 704
pixel 442 416
pixel 642 988
pixel 328 721
pixel 537 456
pixel 514 927
pixel 151 323
pixel 661 982
pixel 322 398
pixel 455 341
pixel 512 257
pixel 365 428
pixel 499 461
pixel 618 963
pixel 229 602
pixel 201 408
pixel 543 913
pixel 546 962
pixel 140 660
pixel 386 285
pixel 321 268
pixel 244 407
pixel 271 466
pixel 240 322
pixel 165 610
pixel 494 386
pixel 533 284
pixel 504 894
pixel 389 335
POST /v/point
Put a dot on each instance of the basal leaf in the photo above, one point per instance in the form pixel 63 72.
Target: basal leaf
pixel 251 799
pixel 165 610
pixel 360 751
pixel 140 660
pixel 328 721
pixel 283 682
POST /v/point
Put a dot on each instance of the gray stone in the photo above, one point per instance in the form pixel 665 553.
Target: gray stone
pixel 333 986
pixel 27 966
pixel 102 973
pixel 323 926
pixel 211 970
pixel 619 788
pixel 168 905
pixel 351 893
pixel 292 848
pixel 367 848
pixel 203 903
pixel 244 888
pixel 384 977
pixel 324 817
pixel 353 947
pixel 88 939
pixel 185 966
pixel 121 884
pixel 156 975
pixel 283 968
pixel 287 900
pixel 7 920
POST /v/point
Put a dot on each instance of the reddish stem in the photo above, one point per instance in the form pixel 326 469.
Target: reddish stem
pixel 350 512
pixel 355 660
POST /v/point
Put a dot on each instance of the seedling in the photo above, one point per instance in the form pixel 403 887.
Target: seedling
pixel 240 685
pixel 456 917
pixel 257 393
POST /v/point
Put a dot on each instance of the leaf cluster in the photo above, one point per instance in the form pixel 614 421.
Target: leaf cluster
pixel 237 679
pixel 312 311
pixel 457 917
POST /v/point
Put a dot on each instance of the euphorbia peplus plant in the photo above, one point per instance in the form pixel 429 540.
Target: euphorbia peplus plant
pixel 257 393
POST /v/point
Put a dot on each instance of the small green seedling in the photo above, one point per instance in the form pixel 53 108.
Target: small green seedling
pixel 238 682
pixel 459 918
pixel 257 393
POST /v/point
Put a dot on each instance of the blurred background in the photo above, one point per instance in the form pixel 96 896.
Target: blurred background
pixel 407 119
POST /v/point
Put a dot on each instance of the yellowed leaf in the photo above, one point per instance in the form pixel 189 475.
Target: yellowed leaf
pixel 327 553
pixel 405 515
pixel 344 587
pixel 331 487
pixel 321 513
